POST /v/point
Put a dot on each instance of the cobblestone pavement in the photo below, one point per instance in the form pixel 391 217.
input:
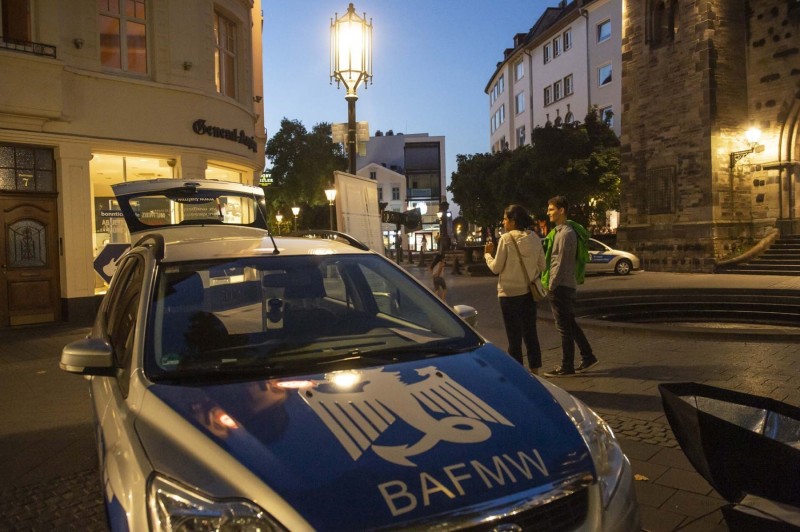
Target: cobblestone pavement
pixel 72 502
pixel 49 480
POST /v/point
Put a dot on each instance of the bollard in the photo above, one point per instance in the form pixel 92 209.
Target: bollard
pixel 456 266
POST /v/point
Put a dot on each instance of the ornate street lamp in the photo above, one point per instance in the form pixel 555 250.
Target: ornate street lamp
pixel 753 135
pixel 330 193
pixel 351 65
pixel 296 212
pixel 279 217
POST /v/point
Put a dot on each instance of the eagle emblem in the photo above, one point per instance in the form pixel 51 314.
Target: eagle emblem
pixel 437 406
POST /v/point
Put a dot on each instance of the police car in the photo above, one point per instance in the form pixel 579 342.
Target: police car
pixel 242 381
pixel 604 259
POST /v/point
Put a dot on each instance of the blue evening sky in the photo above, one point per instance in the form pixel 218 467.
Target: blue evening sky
pixel 431 62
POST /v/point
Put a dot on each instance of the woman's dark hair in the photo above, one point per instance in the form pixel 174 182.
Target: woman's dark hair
pixel 439 257
pixel 519 215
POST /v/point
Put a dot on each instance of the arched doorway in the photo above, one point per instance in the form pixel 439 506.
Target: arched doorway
pixel 788 166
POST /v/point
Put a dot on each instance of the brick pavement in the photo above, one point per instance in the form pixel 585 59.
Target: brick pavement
pixel 49 480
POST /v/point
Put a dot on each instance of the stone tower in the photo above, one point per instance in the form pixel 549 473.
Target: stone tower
pixel 697 75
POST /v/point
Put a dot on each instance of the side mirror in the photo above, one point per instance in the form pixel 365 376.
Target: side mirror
pixel 89 356
pixel 467 313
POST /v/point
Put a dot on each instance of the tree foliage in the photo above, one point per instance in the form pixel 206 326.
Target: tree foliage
pixel 579 161
pixel 302 164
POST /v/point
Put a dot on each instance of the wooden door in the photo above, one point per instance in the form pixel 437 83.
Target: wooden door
pixel 29 279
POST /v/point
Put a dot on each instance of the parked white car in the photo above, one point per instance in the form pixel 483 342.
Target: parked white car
pixel 604 259
pixel 242 381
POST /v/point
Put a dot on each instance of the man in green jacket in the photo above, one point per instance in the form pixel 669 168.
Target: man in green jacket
pixel 563 270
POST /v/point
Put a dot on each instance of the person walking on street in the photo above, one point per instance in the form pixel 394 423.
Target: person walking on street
pixel 513 286
pixel 423 245
pixel 564 271
pixel 437 270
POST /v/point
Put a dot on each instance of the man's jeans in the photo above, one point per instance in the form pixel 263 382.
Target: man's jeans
pixel 562 302
pixel 519 318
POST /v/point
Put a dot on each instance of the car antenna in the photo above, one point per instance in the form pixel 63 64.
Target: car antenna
pixel 275 250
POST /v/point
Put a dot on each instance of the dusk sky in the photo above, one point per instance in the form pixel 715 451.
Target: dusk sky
pixel 431 62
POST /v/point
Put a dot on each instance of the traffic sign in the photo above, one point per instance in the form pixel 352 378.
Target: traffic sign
pixel 106 262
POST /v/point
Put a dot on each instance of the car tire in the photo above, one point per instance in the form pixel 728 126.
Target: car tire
pixel 623 267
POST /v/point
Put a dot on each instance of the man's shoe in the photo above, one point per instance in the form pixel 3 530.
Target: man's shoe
pixel 586 364
pixel 560 371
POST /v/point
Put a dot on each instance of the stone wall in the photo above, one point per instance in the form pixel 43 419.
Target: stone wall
pixel 687 102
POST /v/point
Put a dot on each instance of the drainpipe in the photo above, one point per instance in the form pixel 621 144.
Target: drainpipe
pixel 529 132
pixel 585 15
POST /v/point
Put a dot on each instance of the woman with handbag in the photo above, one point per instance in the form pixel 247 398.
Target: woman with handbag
pixel 519 261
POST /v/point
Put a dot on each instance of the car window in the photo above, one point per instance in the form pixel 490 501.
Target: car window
pixel 594 245
pixel 292 313
pixel 123 317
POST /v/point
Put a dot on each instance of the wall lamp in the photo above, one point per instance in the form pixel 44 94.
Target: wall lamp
pixel 78 42
pixel 753 135
pixel 257 99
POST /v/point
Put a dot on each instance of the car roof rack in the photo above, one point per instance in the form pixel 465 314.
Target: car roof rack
pixel 330 235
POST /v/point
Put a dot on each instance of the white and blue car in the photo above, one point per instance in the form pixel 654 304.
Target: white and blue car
pixel 604 259
pixel 242 381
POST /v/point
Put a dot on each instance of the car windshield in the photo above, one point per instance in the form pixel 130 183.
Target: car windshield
pixel 293 314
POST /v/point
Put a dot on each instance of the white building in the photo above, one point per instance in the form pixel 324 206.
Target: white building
pixel 420 160
pixel 96 93
pixel 568 62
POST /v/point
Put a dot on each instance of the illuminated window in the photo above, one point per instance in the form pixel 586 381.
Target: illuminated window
pixel 123 35
pixel 225 55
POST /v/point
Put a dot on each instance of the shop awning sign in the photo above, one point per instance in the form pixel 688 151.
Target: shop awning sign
pixel 106 262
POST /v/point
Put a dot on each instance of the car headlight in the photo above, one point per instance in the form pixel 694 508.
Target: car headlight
pixel 606 453
pixel 175 508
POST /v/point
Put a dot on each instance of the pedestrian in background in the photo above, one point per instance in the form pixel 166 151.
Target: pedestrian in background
pixel 565 257
pixel 437 271
pixel 423 246
pixel 513 287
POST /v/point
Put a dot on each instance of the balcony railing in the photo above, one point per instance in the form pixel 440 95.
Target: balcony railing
pixel 35 48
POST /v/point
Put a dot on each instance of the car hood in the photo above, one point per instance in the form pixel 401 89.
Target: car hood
pixel 407 442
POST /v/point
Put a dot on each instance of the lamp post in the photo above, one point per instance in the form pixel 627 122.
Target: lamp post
pixel 444 218
pixel 296 212
pixel 351 65
pixel 279 217
pixel 330 193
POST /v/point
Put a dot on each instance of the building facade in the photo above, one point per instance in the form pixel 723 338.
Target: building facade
pixel 567 63
pixel 97 93
pixel 420 158
pixel 696 77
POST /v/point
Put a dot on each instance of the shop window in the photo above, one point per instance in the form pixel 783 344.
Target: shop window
pixel 27 169
pixel 106 170
pixel 123 35
pixel 225 55
pixel 221 173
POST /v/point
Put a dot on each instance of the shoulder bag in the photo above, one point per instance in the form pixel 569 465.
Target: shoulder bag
pixel 536 287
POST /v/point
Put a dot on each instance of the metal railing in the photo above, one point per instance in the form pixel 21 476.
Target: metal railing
pixel 35 48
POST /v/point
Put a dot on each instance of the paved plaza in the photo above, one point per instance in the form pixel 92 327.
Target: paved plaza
pixel 48 466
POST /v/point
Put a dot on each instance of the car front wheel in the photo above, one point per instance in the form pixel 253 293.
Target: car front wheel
pixel 623 267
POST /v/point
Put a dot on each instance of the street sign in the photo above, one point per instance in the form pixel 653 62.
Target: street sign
pixel 106 262
pixel 392 217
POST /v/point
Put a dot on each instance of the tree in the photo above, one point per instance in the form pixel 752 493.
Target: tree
pixel 580 161
pixel 474 187
pixel 302 168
